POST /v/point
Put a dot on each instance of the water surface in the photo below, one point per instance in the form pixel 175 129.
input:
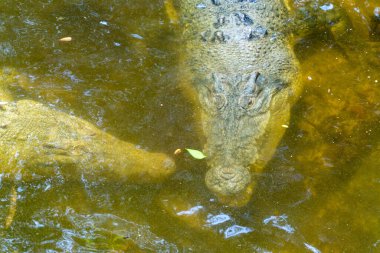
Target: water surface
pixel 119 72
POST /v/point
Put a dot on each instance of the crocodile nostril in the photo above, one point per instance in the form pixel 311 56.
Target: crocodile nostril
pixel 227 181
pixel 227 173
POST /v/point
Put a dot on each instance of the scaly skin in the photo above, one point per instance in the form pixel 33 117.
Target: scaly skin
pixel 37 140
pixel 238 59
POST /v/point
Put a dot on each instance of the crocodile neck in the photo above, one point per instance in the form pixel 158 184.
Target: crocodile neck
pixel 233 37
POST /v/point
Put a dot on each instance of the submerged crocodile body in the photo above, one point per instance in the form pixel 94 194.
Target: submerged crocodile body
pixel 36 140
pixel 238 59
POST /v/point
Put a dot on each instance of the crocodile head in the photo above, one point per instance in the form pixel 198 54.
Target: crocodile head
pixel 242 121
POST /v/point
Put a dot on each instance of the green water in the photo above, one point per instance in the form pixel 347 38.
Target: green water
pixel 319 193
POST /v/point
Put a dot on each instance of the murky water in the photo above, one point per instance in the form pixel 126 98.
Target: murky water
pixel 319 193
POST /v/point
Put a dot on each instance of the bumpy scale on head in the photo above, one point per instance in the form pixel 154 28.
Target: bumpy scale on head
pixel 232 108
pixel 243 70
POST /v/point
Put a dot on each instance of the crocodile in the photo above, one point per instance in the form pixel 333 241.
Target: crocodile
pixel 238 61
pixel 39 141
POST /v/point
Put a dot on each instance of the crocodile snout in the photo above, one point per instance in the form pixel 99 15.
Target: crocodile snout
pixel 227 181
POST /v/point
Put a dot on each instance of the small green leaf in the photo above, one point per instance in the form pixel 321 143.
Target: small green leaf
pixel 195 153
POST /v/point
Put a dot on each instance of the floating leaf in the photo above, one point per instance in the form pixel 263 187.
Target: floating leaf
pixel 195 153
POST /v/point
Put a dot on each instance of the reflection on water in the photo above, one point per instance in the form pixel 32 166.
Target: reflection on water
pixel 99 230
pixel 280 222
pixel 318 194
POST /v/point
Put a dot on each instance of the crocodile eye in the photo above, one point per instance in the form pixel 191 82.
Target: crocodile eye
pixel 246 102
pixel 214 103
pixel 261 81
pixel 220 101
